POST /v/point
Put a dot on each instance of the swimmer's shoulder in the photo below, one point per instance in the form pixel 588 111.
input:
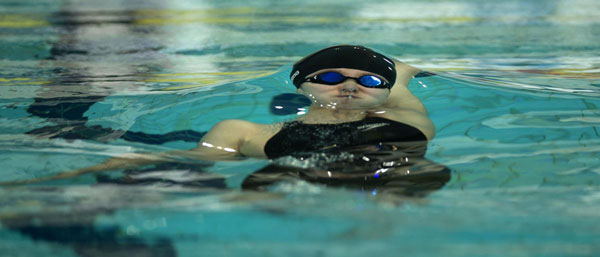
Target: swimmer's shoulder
pixel 240 127
pixel 231 133
pixel 246 138
pixel 253 135
pixel 245 129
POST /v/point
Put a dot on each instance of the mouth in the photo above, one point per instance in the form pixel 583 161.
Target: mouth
pixel 347 96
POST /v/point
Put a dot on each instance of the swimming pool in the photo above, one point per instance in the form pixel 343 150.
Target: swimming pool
pixel 515 106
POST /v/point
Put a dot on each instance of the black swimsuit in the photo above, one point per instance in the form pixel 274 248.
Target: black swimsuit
pixel 370 154
pixel 296 137
pixel 374 154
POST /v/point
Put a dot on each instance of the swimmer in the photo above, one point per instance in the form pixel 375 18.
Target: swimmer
pixel 351 88
pixel 359 98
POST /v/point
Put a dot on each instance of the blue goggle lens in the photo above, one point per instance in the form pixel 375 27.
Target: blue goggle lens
pixel 331 77
pixel 370 81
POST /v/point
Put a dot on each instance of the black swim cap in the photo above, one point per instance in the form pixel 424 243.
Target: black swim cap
pixel 344 56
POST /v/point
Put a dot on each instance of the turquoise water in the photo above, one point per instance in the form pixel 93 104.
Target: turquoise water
pixel 515 106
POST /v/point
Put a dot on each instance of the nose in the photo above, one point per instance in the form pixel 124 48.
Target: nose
pixel 349 86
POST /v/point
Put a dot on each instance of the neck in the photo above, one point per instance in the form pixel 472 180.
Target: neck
pixel 317 114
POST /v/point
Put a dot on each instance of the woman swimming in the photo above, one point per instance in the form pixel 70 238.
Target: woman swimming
pixel 363 123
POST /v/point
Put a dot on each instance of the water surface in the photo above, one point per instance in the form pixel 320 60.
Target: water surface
pixel 515 106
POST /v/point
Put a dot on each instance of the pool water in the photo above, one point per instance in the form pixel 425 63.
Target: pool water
pixel 515 104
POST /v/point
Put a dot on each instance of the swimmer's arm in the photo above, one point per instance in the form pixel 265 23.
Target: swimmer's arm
pixel 222 142
pixel 130 160
pixel 403 103
pixel 226 138
pixel 400 96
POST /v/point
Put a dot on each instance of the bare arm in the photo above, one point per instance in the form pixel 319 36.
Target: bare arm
pixel 404 106
pixel 225 141
pixel 222 142
pixel 400 96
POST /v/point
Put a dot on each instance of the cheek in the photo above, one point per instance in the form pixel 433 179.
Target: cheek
pixel 385 96
pixel 315 92
pixel 378 93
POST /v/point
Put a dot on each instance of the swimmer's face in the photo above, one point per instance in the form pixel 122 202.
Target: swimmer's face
pixel 348 94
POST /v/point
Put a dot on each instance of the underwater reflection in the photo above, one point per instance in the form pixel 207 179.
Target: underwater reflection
pixel 396 168
pixel 69 215
pixel 380 169
pixel 85 238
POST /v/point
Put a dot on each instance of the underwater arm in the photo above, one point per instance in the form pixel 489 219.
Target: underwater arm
pixel 131 160
pixel 222 142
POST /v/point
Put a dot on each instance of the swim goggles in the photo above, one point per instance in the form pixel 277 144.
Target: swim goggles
pixel 333 78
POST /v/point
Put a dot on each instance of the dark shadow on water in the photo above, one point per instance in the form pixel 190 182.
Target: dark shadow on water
pixel 99 133
pixel 68 112
pixel 388 168
pixel 419 184
pixel 79 231
pixel 90 241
